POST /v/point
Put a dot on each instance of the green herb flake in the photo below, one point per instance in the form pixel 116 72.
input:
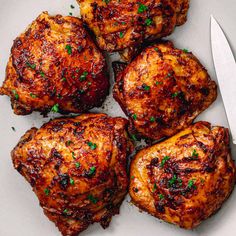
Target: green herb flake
pixel 92 146
pixel 55 108
pixel 33 95
pixel 92 199
pixel 156 49
pixel 142 8
pixel 146 87
pixel 73 155
pixel 172 181
pixel 15 94
pixel 185 50
pixel 69 49
pixel 202 180
pixel 72 182
pixel 72 6
pixel 46 191
pixel 68 143
pixel 123 23
pixel 70 13
pixel 83 76
pixel 161 196
pixel 148 22
pixel 191 183
pixel 154 187
pixel 65 211
pixel 42 74
pixel 92 170
pixel 121 34
pixel 175 94
pixel 32 66
pixel 77 164
pixel 152 119
pixel 195 154
pixel 134 116
pixel 132 177
pixel 63 79
pixel 164 160
pixel 133 137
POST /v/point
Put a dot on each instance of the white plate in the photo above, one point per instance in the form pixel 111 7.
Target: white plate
pixel 20 213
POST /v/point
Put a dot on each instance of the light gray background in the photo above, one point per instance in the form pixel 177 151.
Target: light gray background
pixel 20 214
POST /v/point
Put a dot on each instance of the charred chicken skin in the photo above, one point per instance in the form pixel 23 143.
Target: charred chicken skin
pixel 55 65
pixel 77 168
pixel 124 24
pixel 163 90
pixel 186 178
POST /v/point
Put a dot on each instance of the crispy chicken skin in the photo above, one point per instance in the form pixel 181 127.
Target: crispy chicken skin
pixel 77 168
pixel 163 90
pixel 186 178
pixel 124 24
pixel 55 62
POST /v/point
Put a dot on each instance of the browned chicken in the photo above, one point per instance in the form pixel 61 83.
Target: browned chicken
pixel 186 178
pixel 125 24
pixel 54 65
pixel 163 90
pixel 77 168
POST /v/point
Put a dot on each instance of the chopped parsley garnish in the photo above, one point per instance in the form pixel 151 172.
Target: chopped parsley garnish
pixel 133 136
pixel 123 23
pixel 32 66
pixel 202 180
pixel 185 50
pixel 13 128
pixel 134 116
pixel 175 94
pixel 164 160
pixel 132 177
pixel 157 83
pixel 72 6
pixel 121 34
pixel 83 76
pixel 191 183
pixel 68 142
pixel 69 49
pixel 156 49
pixel 142 8
pixel 73 155
pixel 148 22
pixel 63 79
pixel 70 13
pixel 33 95
pixel 93 146
pixel 42 74
pixel 146 87
pixel 173 180
pixel 77 164
pixel 92 199
pixel 152 119
pixel 72 182
pixel 195 154
pixel 161 196
pixel 154 187
pixel 92 170
pixel 15 94
pixel 46 191
pixel 55 108
pixel 65 211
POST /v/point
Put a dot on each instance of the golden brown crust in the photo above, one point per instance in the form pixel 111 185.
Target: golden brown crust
pixel 186 178
pixel 163 90
pixel 55 62
pixel 77 168
pixel 119 25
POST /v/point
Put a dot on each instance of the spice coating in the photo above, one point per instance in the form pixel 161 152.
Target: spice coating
pixel 77 167
pixel 162 90
pixel 186 178
pixel 124 24
pixel 55 63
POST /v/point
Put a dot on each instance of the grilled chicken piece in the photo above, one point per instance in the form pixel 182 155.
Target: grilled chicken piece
pixel 55 64
pixel 124 24
pixel 163 90
pixel 77 168
pixel 186 178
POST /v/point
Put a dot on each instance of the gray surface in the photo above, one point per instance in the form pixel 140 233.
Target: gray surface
pixel 20 213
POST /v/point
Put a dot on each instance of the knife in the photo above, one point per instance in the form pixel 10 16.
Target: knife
pixel 225 67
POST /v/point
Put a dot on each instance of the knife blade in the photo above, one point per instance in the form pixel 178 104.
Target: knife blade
pixel 225 68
